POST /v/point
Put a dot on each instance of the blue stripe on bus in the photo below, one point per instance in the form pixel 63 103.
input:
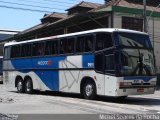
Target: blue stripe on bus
pixel 145 79
pixel 88 61
pixel 49 78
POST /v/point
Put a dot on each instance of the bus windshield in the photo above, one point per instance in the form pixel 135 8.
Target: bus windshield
pixel 137 62
pixel 134 40
pixel 136 55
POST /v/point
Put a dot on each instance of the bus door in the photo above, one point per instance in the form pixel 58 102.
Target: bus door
pixel 105 62
pixel 99 69
pixel 110 58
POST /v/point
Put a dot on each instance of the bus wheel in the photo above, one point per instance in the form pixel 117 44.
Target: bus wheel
pixel 20 86
pixel 89 90
pixel 28 86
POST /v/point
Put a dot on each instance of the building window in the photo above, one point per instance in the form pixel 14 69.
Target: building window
pixel 132 23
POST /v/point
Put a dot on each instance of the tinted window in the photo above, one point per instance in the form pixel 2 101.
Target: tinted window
pixel 67 45
pixel 63 46
pixel 88 43
pixel 103 40
pixel 70 44
pixel 26 50
pixel 16 51
pixel 85 43
pixel 79 44
pixel 99 65
pixel 38 49
pixel 109 63
pixel 51 48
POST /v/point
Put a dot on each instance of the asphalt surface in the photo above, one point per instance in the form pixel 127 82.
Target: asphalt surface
pixel 51 103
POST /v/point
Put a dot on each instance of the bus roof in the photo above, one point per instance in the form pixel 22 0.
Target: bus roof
pixel 76 33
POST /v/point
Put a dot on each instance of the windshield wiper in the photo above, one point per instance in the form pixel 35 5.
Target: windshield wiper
pixel 140 66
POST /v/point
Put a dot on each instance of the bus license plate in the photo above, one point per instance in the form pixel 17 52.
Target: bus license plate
pixel 140 90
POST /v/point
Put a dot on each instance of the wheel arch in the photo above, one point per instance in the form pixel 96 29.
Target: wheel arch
pixel 87 79
pixel 27 77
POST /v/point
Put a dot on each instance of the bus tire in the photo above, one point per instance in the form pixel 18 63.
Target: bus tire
pixel 28 86
pixel 20 86
pixel 89 90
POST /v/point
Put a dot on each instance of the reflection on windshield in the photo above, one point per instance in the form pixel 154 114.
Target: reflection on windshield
pixel 134 40
pixel 137 62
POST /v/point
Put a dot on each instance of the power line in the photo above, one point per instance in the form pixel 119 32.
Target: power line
pixel 30 5
pixel 76 0
pixel 25 9
pixel 59 2
pixel 44 3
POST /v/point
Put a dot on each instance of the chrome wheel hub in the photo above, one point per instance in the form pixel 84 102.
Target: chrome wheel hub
pixel 28 86
pixel 89 90
pixel 19 86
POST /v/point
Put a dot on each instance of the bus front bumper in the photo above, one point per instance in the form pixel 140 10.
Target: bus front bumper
pixel 136 90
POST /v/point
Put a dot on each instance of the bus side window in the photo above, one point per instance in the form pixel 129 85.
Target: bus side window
pixel 99 41
pixel 108 40
pixel 55 47
pixel 88 43
pixel 16 51
pixel 63 45
pixel 103 40
pixel 79 44
pixel 38 49
pixel 51 48
pixel 70 45
pixel 26 50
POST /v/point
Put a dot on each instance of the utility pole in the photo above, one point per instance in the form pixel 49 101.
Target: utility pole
pixel 145 17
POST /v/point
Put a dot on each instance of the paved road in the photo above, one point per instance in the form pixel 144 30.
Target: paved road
pixel 60 103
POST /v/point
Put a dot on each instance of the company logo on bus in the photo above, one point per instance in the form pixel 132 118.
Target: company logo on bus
pixel 42 63
pixel 90 64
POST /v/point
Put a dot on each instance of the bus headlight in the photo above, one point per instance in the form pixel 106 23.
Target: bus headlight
pixel 153 82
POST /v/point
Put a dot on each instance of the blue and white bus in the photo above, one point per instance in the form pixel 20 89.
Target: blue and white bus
pixel 107 62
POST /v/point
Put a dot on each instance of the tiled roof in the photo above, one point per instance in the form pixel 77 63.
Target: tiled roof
pixel 34 28
pixel 85 4
pixel 137 4
pixel 55 15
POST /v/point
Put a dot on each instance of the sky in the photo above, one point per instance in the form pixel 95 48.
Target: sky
pixel 23 14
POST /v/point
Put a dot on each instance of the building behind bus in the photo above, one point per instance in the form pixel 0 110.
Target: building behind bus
pixel 127 14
